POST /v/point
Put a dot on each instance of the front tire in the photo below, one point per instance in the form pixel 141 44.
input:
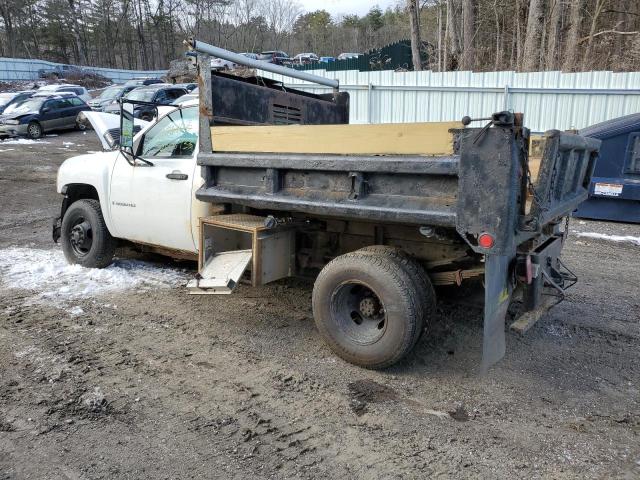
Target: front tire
pixel 34 130
pixel 366 307
pixel 85 238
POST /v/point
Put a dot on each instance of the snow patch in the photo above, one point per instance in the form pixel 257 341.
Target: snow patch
pixel 75 311
pixel 21 141
pixel 610 238
pixel 7 150
pixel 51 278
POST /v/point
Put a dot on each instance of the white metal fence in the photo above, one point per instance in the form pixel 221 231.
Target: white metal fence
pixel 25 69
pixel 547 99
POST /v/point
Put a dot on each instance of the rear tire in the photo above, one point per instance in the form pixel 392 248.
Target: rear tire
pixel 85 238
pixel 426 292
pixel 34 130
pixel 365 306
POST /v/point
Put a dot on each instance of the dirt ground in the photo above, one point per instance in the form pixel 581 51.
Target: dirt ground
pixel 154 383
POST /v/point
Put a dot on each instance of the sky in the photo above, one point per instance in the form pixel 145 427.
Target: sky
pixel 336 7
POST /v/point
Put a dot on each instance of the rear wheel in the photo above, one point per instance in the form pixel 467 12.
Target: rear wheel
pixel 426 293
pixel 366 308
pixel 34 130
pixel 84 235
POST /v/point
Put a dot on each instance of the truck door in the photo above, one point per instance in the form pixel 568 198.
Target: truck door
pixel 152 204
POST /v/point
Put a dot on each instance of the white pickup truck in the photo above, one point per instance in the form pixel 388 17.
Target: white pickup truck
pixel 110 195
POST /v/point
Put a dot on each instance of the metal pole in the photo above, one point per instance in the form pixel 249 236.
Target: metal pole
pixel 369 94
pixel 202 47
pixel 506 97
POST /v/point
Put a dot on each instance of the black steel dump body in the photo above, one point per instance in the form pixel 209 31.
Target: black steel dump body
pixel 483 189
pixel 261 101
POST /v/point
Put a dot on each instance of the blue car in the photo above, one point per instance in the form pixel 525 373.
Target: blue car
pixel 42 113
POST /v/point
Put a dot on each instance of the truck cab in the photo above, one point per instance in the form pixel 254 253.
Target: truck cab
pixel 114 196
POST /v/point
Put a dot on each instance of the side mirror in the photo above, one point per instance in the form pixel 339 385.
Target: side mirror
pixel 46 109
pixel 126 125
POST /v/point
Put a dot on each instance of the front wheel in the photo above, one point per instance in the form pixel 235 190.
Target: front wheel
pixel 366 307
pixel 34 130
pixel 85 238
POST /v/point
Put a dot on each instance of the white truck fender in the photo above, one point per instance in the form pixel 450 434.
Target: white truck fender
pixel 94 170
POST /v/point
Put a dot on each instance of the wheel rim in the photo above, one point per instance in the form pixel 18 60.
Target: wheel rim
pixel 81 237
pixel 358 312
pixel 34 130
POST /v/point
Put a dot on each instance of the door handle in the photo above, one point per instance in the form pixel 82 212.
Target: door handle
pixel 176 175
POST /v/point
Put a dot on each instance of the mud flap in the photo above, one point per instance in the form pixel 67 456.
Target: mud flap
pixel 497 295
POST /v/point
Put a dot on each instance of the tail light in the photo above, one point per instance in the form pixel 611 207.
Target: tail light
pixel 485 240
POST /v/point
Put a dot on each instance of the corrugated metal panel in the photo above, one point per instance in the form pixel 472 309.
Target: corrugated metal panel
pixel 24 69
pixel 548 99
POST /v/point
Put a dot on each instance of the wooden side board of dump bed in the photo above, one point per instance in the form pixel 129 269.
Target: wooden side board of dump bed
pixel 385 139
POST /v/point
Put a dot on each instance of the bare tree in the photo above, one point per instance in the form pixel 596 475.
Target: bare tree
pixel 414 23
pixel 468 34
pixel 535 20
pixel 573 36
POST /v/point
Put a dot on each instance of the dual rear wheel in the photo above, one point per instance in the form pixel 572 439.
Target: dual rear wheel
pixel 372 305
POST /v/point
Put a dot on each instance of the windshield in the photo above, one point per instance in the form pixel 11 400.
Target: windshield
pixel 6 98
pixel 32 105
pixel 111 92
pixel 141 95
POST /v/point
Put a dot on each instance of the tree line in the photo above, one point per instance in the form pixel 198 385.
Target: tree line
pixel 481 35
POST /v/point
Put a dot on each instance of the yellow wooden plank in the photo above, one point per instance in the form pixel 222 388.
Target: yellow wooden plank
pixel 536 150
pixel 387 138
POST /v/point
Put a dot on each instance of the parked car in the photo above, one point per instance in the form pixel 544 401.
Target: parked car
pixel 252 56
pixel 11 98
pixel 142 81
pixel 327 59
pixel 81 92
pixel 108 96
pixel 274 56
pixel 42 113
pixel 302 58
pixel 193 95
pixel 345 56
pixel 222 64
pixel 157 94
pixel 189 87
pixel 62 71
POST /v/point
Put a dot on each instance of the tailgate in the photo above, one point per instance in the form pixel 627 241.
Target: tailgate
pixel 563 178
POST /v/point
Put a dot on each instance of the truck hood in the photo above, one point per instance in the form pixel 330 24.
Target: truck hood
pixel 107 127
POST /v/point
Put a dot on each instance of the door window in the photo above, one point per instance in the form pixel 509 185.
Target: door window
pixel 175 136
pixel 77 102
pixel 161 97
pixel 173 94
pixel 53 105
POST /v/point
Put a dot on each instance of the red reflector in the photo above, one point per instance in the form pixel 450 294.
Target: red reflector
pixel 485 240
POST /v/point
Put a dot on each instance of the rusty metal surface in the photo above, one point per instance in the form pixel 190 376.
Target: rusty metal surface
pixel 258 101
pixel 415 164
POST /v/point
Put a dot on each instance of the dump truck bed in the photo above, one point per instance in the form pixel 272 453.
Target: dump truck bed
pixel 441 193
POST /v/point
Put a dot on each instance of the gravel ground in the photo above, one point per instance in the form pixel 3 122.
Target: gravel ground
pixel 125 376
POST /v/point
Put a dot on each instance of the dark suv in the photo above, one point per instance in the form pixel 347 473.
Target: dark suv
pixel 42 113
pixel 62 71
pixel 159 94
pixel 274 56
